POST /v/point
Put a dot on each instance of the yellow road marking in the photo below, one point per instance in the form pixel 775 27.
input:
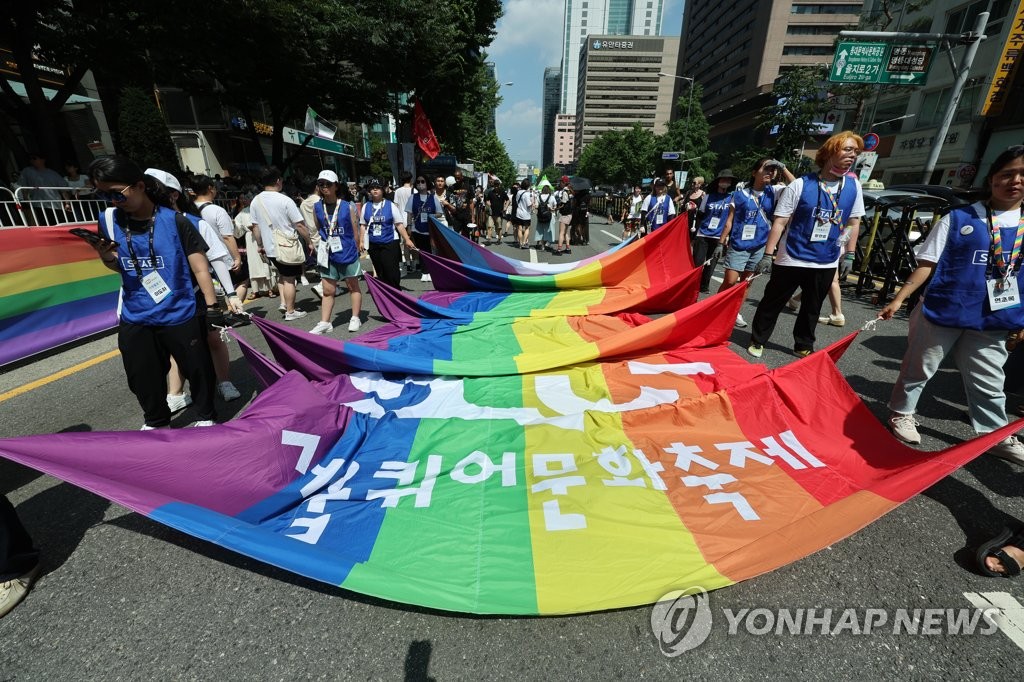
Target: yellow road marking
pixel 31 386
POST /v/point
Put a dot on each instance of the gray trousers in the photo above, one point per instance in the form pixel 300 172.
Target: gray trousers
pixel 979 355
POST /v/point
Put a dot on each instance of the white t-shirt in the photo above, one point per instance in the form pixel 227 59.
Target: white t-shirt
pixel 274 209
pixel 652 206
pixel 219 218
pixel 549 201
pixel 786 206
pixel 524 203
pixel 421 223
pixel 397 215
pixel 635 202
pixel 935 243
pixel 402 196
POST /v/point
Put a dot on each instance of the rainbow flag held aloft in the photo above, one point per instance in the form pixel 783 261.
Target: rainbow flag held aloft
pixel 504 511
pixel 451 245
pixel 53 289
pixel 495 347
pixel 648 262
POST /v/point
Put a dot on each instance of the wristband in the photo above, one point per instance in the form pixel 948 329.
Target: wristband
pixel 849 256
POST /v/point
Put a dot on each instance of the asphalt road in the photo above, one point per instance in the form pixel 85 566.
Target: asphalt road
pixel 122 597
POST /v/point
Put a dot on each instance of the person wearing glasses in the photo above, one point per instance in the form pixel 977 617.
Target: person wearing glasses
pixel 339 251
pixel 421 207
pixel 162 260
pixel 384 222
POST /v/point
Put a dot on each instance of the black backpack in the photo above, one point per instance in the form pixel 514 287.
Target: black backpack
pixel 567 207
pixel 543 208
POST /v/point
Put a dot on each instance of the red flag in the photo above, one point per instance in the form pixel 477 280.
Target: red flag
pixel 424 133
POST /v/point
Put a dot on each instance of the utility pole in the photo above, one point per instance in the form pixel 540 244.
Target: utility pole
pixel 961 72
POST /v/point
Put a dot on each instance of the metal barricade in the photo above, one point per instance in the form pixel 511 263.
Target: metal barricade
pixel 10 212
pixel 77 207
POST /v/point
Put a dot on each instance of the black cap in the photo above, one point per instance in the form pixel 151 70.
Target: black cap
pixel 374 183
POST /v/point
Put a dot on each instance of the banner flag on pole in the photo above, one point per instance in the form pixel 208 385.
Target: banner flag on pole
pixel 424 132
pixel 321 127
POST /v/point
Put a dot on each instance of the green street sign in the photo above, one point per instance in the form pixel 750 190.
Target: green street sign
pixel 881 63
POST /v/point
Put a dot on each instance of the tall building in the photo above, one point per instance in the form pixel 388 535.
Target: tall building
pixel 549 109
pixel 492 72
pixel 565 139
pixel 619 85
pixel 737 50
pixel 605 17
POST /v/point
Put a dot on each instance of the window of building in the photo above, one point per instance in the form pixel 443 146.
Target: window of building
pixel 815 30
pixel 807 50
pixel 826 9
pixel 933 106
pixel 961 19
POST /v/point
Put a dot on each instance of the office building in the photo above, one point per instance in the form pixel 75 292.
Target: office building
pixel 549 109
pixel 619 85
pixel 737 50
pixel 565 139
pixel 584 18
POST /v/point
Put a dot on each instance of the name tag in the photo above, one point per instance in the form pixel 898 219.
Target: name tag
pixel 821 231
pixel 1003 293
pixel 713 225
pixel 423 217
pixel 376 229
pixel 660 218
pixel 334 243
pixel 749 230
pixel 156 287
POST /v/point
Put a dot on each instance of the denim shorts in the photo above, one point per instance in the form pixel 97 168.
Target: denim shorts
pixel 743 261
pixel 338 272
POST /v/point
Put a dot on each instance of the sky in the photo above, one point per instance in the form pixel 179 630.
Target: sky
pixel 529 39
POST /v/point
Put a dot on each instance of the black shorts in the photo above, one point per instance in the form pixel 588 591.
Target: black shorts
pixel 520 222
pixel 288 269
pixel 242 274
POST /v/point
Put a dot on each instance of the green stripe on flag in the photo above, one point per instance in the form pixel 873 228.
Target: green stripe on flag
pixel 37 299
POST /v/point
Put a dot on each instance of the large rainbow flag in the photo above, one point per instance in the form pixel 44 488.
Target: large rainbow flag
pixel 53 289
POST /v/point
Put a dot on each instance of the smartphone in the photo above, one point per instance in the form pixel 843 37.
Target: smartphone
pixel 90 236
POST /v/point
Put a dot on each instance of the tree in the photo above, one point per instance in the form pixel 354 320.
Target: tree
pixel 489 154
pixel 690 134
pixel 617 156
pixel 143 134
pixel 801 100
pixel 742 161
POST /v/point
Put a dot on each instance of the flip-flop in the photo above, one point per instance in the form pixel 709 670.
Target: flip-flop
pixel 994 548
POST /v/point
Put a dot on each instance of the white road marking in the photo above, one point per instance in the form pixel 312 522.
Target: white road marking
pixel 533 255
pixel 1010 618
pixel 612 236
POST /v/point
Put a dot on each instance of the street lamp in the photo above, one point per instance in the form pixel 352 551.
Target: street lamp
pixel 890 120
pixel 689 101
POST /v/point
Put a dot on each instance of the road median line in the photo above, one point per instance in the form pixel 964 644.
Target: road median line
pixel 56 376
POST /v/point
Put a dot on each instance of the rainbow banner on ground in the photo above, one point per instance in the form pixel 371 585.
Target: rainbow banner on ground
pixel 53 289
pixel 488 512
pixel 451 245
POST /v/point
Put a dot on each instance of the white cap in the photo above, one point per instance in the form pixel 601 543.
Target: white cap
pixel 168 180
pixel 450 180
pixel 328 175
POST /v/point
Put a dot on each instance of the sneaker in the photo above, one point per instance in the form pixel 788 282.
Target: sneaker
pixel 802 352
pixel 322 328
pixel 303 281
pixel 15 589
pixel 740 322
pixel 1011 449
pixel 834 320
pixel 354 324
pixel 294 315
pixel 177 403
pixel 904 427
pixel 318 290
pixel 755 350
pixel 425 278
pixel 282 308
pixel 228 391
pixel 204 422
pixel 793 304
pixel 147 427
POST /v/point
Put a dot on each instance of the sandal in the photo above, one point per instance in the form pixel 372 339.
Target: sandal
pixel 994 548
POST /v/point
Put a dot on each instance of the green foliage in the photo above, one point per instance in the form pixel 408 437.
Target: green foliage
pixel 380 165
pixel 143 133
pixel 689 134
pixel 489 154
pixel 553 173
pixel 742 161
pixel 802 99
pixel 619 156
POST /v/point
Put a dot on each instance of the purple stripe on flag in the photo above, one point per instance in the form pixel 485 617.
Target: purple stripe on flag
pixel 34 342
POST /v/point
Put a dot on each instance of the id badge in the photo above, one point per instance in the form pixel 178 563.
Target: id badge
pixel 749 231
pixel 335 244
pixel 820 232
pixel 713 225
pixel 1003 294
pixel 659 219
pixel 423 217
pixel 156 286
pixel 377 230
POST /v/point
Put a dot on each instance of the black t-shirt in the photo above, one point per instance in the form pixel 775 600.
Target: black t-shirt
pixel 496 196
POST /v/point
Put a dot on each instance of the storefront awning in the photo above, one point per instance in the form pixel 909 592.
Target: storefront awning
pixel 19 88
pixel 297 137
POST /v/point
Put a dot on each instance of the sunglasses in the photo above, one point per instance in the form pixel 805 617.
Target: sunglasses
pixel 324 183
pixel 117 197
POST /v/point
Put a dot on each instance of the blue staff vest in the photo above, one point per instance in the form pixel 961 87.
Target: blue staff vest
pixel 812 205
pixel 957 295
pixel 662 208
pixel 137 307
pixel 431 207
pixel 717 206
pixel 344 229
pixel 745 213
pixel 383 221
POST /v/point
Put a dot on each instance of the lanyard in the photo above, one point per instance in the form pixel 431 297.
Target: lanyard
pixel 131 248
pixel 332 222
pixel 996 247
pixel 424 203
pixel 837 218
pixel 757 200
pixel 375 216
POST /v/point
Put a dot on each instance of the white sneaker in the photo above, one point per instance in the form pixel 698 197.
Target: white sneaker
pixel 318 290
pixel 354 324
pixel 793 304
pixel 282 308
pixel 14 590
pixel 755 350
pixel 1011 449
pixel 204 422
pixel 425 277
pixel 147 427
pixel 904 427
pixel 228 391
pixel 322 328
pixel 303 281
pixel 834 320
pixel 294 315
pixel 740 322
pixel 177 403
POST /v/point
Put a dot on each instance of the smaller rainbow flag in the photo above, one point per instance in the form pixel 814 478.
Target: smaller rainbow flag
pixel 53 289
